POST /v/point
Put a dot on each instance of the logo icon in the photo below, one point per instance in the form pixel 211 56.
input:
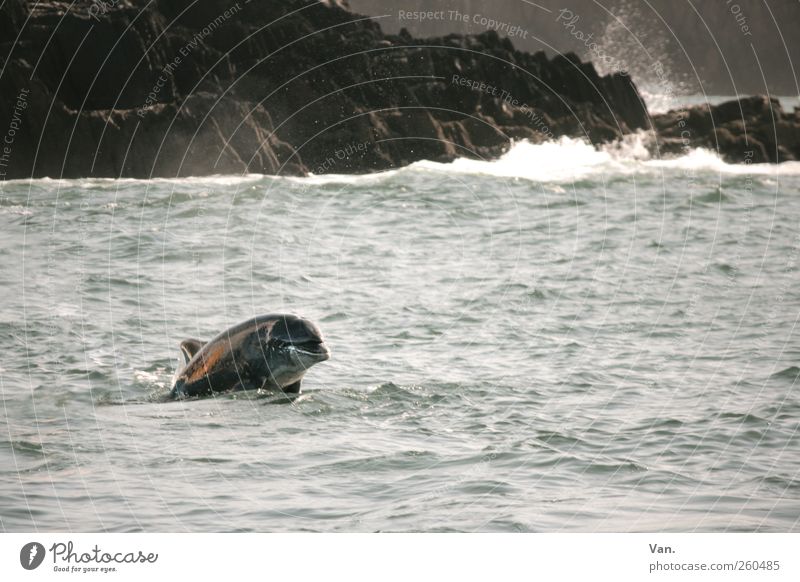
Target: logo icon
pixel 31 555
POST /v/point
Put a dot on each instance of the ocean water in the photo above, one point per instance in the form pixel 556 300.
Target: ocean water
pixel 564 339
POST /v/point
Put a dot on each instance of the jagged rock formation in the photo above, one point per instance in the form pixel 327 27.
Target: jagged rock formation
pixel 750 130
pixel 127 88
pixel 716 47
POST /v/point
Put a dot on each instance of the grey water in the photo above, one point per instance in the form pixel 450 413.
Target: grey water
pixel 561 340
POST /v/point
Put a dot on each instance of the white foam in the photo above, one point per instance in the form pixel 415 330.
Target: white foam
pixel 562 161
pixel 703 159
pixel 322 179
pixel 570 159
pixel 214 180
pixel 559 161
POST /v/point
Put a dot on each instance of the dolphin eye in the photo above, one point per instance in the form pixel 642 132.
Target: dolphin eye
pixel 277 343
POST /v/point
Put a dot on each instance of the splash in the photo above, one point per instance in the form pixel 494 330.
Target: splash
pixel 564 160
pixel 569 159
pixel 556 161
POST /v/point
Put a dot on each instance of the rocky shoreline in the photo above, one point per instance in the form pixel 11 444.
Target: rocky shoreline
pixel 165 89
pixel 750 130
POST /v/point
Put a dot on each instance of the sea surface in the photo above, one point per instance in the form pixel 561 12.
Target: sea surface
pixel 564 339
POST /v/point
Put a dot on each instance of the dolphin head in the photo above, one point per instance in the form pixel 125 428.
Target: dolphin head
pixel 301 339
pixel 294 345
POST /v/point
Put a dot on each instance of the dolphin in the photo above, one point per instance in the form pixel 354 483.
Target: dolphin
pixel 271 352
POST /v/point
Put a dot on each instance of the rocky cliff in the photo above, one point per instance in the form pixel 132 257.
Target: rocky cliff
pixel 131 88
pixel 174 88
pixel 716 47
pixel 750 130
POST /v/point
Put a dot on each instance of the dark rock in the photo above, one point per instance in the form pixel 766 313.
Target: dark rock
pixel 132 88
pixel 12 16
pixel 748 130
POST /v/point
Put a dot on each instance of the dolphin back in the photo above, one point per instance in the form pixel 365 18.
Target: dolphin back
pixel 224 363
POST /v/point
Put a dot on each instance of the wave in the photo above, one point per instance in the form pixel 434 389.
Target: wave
pixel 355 179
pixel 562 161
pixel 116 183
pixel 569 159
pixel 790 373
pixel 554 161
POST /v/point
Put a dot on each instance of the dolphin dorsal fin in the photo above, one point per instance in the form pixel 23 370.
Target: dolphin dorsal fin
pixel 190 347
